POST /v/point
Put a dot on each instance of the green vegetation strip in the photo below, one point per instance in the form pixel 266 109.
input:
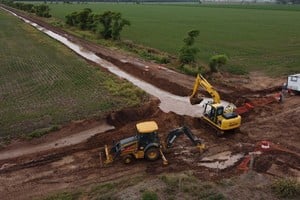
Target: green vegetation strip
pixel 286 188
pixel 168 186
pixel 44 84
pixel 262 37
pixel 184 185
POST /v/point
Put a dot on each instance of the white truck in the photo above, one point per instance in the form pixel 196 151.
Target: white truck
pixel 294 82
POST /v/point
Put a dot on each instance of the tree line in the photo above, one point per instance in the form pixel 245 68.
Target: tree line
pixel 288 1
pixel 40 10
pixel 108 25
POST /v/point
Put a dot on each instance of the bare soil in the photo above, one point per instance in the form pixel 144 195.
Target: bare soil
pixel 35 174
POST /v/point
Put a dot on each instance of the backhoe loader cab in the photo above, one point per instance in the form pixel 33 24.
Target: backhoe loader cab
pixel 147 135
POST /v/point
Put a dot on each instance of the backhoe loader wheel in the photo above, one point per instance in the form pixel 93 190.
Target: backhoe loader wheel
pixel 152 153
pixel 128 159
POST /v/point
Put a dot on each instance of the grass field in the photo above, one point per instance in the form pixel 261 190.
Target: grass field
pixel 261 37
pixel 43 83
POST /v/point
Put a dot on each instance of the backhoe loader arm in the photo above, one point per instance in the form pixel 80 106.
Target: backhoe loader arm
pixel 201 81
pixel 179 131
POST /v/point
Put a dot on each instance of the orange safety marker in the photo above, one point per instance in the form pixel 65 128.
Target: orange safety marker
pixel 244 164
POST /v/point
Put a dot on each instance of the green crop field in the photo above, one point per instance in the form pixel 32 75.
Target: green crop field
pixel 261 37
pixel 43 83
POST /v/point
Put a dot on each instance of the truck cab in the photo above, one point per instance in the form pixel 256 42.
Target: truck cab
pixel 294 82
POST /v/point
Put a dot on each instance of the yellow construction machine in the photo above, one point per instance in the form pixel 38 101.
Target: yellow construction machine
pixel 147 144
pixel 220 118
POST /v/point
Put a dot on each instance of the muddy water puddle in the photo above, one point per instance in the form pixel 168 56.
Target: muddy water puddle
pixel 169 102
pixel 221 160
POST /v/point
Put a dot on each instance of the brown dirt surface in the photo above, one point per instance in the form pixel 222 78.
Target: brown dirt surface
pixel 36 174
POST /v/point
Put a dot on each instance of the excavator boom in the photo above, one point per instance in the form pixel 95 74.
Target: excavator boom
pixel 201 81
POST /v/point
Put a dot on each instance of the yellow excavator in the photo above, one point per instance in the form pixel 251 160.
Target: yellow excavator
pixel 220 118
pixel 146 144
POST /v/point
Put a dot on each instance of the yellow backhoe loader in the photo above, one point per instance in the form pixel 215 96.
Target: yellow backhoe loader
pixel 215 114
pixel 147 144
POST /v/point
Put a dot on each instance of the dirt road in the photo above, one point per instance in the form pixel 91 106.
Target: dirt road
pixel 70 140
pixel 35 168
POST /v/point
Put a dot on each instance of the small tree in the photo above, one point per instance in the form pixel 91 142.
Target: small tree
pixel 42 10
pixel 118 24
pixel 82 18
pixel 188 53
pixel 85 19
pixel 71 19
pixel 217 61
pixel 106 20
pixel 112 25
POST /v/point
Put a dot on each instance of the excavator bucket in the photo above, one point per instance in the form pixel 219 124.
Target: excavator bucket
pixel 196 99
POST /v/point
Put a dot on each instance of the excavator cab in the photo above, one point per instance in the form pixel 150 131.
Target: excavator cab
pixel 210 112
pixel 213 111
pixel 216 116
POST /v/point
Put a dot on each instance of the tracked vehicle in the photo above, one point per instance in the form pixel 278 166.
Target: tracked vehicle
pixel 218 117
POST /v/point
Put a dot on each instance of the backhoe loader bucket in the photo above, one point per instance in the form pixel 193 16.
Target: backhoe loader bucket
pixel 165 161
pixel 108 157
pixel 201 147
